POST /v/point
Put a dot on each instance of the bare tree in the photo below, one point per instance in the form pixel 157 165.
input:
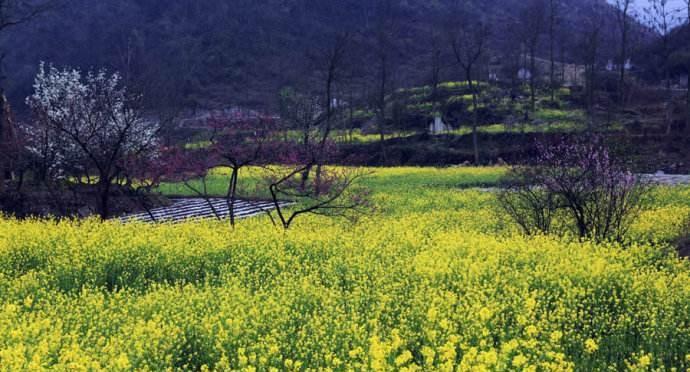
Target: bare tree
pixel 469 44
pixel 384 31
pixel 532 19
pixel 240 144
pixel 624 20
pixel 8 142
pixel 687 70
pixel 300 112
pixel 16 12
pixel 435 67
pixel 590 46
pixel 511 55
pixel 554 19
pixel 333 60
pixel 661 18
pixel 336 194
pixel 314 112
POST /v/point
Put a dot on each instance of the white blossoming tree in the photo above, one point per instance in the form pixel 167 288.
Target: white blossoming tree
pixel 87 126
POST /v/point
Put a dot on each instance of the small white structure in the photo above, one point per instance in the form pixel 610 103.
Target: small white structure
pixel 628 64
pixel 612 66
pixel 493 76
pixel 438 126
pixel 524 74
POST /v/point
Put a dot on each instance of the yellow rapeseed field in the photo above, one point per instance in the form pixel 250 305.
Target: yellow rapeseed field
pixel 435 279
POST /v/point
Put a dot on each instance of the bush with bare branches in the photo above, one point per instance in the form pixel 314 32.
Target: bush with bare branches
pixel 593 195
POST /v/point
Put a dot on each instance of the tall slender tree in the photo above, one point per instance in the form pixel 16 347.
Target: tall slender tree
pixel 590 50
pixel 624 20
pixel 687 70
pixel 314 110
pixel 333 60
pixel 532 21
pixel 469 42
pixel 435 68
pixel 384 30
pixel 8 144
pixel 661 18
pixel 554 19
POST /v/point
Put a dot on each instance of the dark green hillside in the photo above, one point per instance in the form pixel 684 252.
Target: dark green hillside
pixel 218 53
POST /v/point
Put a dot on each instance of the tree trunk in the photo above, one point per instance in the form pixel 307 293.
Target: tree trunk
pixel 552 25
pixel 590 76
pixel 669 104
pixel 305 175
pixel 475 143
pixel 232 195
pixel 6 140
pixel 532 80
pixel 623 59
pixel 382 142
pixel 3 146
pixel 104 186
pixel 553 79
pixel 561 53
pixel 687 104
pixel 475 116
pixel 381 114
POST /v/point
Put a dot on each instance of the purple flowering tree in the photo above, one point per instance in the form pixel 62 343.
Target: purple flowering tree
pixel 596 196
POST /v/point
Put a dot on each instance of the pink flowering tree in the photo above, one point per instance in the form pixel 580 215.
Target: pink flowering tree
pixel 241 143
pixel 191 168
pixel 333 191
pixel 142 175
pixel 595 194
pixel 235 144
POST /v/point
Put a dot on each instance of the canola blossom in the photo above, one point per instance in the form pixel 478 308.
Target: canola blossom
pixel 436 279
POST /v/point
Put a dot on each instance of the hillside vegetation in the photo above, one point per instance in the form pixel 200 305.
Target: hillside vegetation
pixel 218 53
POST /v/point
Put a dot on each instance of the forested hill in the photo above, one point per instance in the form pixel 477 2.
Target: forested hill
pixel 218 52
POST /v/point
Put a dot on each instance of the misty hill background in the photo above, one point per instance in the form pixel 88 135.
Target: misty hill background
pixel 215 53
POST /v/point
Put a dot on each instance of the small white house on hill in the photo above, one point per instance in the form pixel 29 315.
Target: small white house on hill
pixel 437 126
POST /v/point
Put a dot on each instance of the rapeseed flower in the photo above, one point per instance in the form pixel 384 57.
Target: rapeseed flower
pixel 433 280
pixel 591 346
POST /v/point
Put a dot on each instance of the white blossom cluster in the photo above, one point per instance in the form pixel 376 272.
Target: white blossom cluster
pixel 85 121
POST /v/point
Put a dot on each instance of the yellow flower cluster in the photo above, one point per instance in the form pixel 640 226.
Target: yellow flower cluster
pixel 435 279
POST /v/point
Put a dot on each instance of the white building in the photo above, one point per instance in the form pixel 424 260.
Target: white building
pixel 437 126
pixel 524 74
pixel 611 66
